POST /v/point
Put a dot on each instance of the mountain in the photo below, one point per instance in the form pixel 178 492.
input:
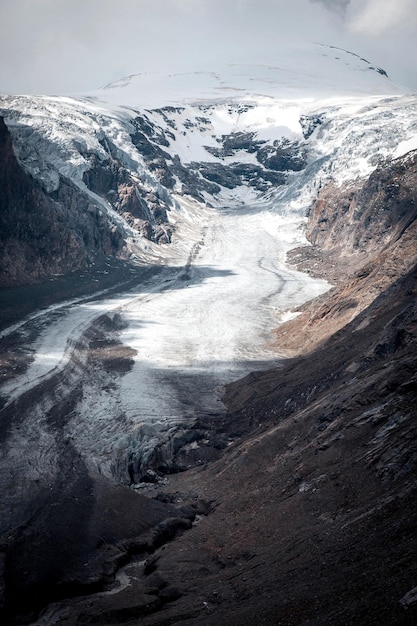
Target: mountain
pixel 119 166
pixel 208 348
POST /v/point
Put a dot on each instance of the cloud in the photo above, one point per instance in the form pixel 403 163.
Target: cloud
pixel 338 6
pixel 376 17
pixel 372 17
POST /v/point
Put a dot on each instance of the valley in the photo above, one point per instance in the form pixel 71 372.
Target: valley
pixel 219 427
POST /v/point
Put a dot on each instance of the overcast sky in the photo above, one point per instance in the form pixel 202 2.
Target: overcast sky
pixel 59 46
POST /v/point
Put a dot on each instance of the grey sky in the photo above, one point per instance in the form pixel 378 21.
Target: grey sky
pixel 58 46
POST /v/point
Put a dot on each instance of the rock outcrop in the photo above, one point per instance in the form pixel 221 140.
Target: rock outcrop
pixel 272 161
pixel 141 208
pixel 354 221
pixel 363 240
pixel 45 234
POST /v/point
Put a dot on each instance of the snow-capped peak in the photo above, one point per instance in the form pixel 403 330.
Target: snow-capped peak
pixel 313 70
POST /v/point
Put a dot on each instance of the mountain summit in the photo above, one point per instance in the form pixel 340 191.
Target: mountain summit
pixel 314 70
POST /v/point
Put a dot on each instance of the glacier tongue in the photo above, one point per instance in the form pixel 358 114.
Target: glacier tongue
pixel 210 325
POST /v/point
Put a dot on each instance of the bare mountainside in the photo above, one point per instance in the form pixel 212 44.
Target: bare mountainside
pixel 208 349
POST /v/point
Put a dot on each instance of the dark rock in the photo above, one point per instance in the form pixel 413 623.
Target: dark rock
pixel 81 535
pixel 169 594
pixel 2 580
pixel 230 144
pixel 140 207
pixel 309 123
pixel 43 234
pixel 125 610
pixel 283 156
pixel 188 511
pixel 169 528
pixel 148 139
pixel 237 174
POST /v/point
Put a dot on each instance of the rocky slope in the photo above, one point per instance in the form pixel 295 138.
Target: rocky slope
pixel 44 234
pixel 362 240
pixel 75 205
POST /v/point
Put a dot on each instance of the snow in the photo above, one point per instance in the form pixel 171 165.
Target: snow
pixel 358 134
pixel 406 146
pixel 268 119
pixel 313 70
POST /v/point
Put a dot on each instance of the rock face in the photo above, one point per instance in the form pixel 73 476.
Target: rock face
pixel 142 209
pixel 363 240
pixel 44 234
pixel 271 160
pixel 357 221
pixel 70 197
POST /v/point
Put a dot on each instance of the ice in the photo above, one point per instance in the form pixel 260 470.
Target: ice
pixel 198 330
pixel 62 325
pixel 406 146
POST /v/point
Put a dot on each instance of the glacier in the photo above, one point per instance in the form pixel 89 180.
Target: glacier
pixel 257 143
